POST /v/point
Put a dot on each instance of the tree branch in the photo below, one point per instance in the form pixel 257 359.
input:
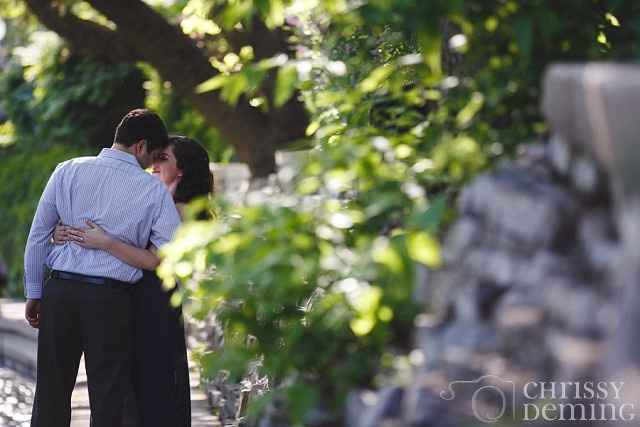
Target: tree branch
pixel 178 59
pixel 83 36
pixel 143 34
pixel 289 121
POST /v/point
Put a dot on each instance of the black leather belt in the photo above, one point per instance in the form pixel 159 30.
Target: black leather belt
pixel 63 275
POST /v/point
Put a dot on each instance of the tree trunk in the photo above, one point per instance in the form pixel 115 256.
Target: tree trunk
pixel 144 35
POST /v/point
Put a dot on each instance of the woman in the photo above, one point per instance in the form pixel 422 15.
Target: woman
pixel 160 373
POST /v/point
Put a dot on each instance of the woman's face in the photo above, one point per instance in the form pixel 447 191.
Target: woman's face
pixel 165 167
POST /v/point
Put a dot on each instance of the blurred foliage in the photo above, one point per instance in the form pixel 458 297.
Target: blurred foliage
pixel 409 100
pixel 60 101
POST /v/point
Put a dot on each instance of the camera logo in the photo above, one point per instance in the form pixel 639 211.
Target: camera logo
pixel 489 401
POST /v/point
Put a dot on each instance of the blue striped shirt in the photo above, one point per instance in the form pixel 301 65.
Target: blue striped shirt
pixel 111 190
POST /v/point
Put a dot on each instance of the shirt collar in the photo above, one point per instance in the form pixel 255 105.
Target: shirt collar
pixel 119 155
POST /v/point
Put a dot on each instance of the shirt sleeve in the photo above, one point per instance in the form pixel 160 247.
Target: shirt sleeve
pixel 38 243
pixel 166 221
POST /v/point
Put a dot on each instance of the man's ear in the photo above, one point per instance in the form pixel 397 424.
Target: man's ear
pixel 141 146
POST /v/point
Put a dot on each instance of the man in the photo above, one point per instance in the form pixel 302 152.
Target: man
pixel 85 304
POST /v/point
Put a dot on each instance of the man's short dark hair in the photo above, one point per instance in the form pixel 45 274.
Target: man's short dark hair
pixel 142 124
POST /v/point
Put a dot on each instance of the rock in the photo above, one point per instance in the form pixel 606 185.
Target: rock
pixel 436 286
pixel 502 200
pixel 585 316
pixel 527 288
pixel 462 235
pixel 320 417
pixel 545 263
pixel 228 399
pixel 368 409
pixel 423 406
pixel 560 155
pixel 575 357
pixel 594 108
pixel 18 393
pixel 275 415
pixel 421 289
pixel 493 266
pixel 534 156
pixel 586 178
pixel 597 236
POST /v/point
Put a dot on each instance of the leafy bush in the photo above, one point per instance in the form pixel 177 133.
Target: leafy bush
pixel 70 99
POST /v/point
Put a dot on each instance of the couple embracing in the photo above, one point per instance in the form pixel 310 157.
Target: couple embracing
pixel 97 227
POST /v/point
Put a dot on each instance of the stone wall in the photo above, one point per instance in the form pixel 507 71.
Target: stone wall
pixel 540 277
pixel 525 293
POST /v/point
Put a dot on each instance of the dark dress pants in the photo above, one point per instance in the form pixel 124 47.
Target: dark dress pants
pixel 77 317
pixel 160 373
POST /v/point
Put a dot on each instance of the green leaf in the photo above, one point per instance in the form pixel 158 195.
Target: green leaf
pixel 469 111
pixel 213 83
pixel 234 13
pixel 524 35
pixel 431 218
pixel 312 128
pixel 309 185
pixel 424 248
pixel 228 243
pixel 302 398
pixel 432 46
pixel 368 301
pixel 363 325
pixel 386 255
pixel 254 77
pixel 385 313
pixel 285 84
pixel 232 358
pixel 377 76
pixel 236 85
pixel 275 16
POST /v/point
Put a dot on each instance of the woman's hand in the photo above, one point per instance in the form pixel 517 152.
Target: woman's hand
pixel 61 234
pixel 93 237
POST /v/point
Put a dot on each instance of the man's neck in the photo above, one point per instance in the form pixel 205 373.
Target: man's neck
pixel 123 148
pixel 128 150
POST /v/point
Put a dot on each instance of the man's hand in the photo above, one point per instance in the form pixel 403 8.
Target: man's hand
pixel 32 312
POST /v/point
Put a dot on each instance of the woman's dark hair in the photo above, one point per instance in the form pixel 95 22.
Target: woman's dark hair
pixel 193 160
pixel 142 124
